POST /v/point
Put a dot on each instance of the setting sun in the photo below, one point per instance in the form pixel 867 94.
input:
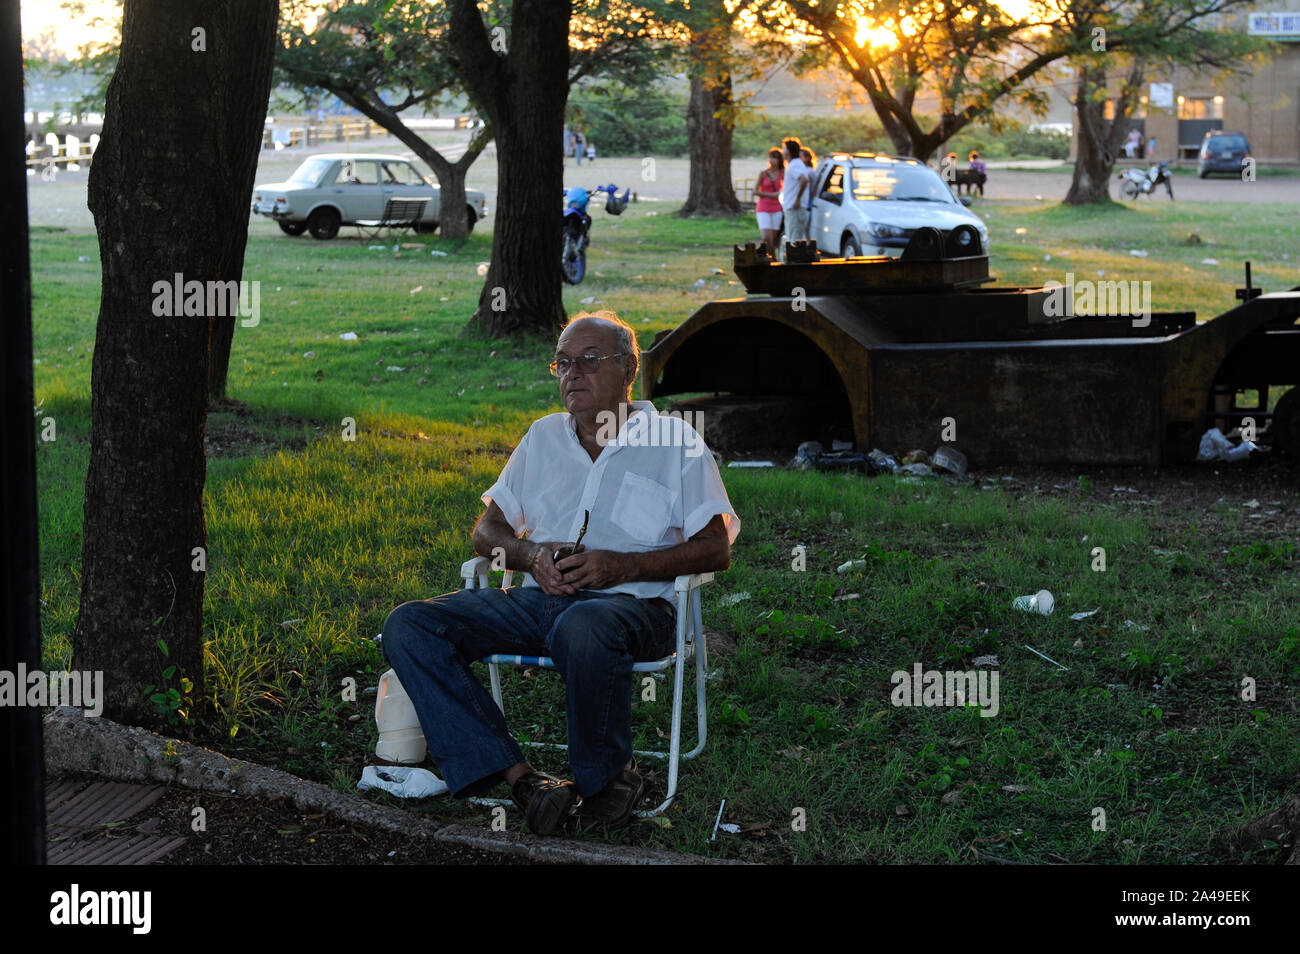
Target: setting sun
pixel 880 37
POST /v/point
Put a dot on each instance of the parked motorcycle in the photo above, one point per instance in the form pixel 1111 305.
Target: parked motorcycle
pixel 577 226
pixel 1135 182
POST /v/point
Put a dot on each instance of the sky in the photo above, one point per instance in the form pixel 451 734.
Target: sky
pixel 70 32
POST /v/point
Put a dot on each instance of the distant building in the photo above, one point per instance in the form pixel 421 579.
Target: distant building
pixel 1179 106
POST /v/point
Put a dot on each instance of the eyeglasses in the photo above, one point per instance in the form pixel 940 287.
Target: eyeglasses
pixel 586 364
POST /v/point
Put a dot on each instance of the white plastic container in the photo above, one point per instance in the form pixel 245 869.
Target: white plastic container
pixel 401 740
pixel 1040 602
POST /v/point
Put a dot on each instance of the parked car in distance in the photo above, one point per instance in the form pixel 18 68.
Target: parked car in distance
pixel 870 204
pixel 341 188
pixel 1222 152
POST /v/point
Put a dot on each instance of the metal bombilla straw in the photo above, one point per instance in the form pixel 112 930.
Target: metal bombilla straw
pixel 560 554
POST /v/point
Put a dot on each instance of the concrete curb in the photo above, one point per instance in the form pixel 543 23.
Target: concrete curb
pixel 74 743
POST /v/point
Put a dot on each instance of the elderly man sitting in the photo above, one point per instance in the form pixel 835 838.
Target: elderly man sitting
pixel 657 509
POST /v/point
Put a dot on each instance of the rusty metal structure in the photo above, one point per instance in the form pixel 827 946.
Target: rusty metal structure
pixel 890 353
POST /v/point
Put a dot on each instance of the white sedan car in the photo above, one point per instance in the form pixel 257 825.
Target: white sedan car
pixel 333 189
pixel 870 204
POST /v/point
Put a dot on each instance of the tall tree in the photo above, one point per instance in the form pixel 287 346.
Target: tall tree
pixel 383 58
pixel 722 44
pixel 710 117
pixel 967 53
pixel 1100 139
pixel 1131 39
pixel 202 71
pixel 517 73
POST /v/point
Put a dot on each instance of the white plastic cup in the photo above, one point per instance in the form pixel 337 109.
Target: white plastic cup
pixel 1041 602
pixel 401 740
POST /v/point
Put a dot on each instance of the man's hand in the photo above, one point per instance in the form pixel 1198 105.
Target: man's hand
pixel 545 572
pixel 594 569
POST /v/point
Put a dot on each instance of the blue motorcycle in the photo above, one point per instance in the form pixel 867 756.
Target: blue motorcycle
pixel 577 227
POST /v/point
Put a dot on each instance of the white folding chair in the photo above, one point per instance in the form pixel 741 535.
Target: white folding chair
pixel 690 642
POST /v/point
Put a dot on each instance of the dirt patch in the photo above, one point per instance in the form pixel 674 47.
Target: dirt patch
pixel 1265 486
pixel 236 430
pixel 720 643
pixel 243 830
pixel 1266 489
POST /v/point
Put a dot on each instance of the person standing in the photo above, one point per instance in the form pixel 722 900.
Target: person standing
pixel 568 142
pixel 798 182
pixel 767 189
pixel 979 173
pixel 579 145
pixel 810 160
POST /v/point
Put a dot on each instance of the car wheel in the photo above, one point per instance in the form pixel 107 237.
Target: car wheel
pixel 470 219
pixel 292 228
pixel 425 228
pixel 1129 189
pixel 1285 427
pixel 849 248
pixel 1202 173
pixel 323 224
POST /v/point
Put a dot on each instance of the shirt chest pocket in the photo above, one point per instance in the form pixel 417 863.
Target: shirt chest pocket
pixel 643 508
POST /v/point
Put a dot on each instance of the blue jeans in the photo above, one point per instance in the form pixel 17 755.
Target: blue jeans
pixel 594 639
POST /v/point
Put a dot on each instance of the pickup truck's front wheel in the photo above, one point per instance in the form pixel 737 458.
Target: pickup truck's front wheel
pixel 323 224
pixel 292 228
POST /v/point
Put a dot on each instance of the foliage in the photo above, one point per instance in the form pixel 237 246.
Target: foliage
pixel 1014 140
pixel 970 54
pixel 622 121
pixel 854 133
pixel 172 696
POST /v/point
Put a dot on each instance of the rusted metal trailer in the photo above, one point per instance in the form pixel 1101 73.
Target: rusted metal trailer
pixel 920 350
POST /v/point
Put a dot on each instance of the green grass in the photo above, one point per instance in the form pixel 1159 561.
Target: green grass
pixel 313 539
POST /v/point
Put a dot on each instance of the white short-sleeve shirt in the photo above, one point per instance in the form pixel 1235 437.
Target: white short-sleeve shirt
pixel 795 169
pixel 652 487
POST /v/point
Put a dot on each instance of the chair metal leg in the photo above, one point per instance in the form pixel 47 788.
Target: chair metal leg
pixel 675 740
pixel 701 664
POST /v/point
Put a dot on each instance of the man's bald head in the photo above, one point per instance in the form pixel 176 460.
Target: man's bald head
pixel 621 337
pixel 615 334
pixel 606 335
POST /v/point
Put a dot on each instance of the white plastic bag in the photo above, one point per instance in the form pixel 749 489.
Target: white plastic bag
pixel 404 781
pixel 1214 446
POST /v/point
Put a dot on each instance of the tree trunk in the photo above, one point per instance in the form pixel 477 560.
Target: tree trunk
pixel 453 207
pixel 1280 826
pixel 170 189
pixel 709 133
pixel 1099 138
pixel 1094 163
pixel 223 339
pixel 897 132
pixel 523 92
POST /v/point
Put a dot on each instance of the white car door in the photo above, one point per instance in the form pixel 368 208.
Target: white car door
pixel 828 209
pixel 357 190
